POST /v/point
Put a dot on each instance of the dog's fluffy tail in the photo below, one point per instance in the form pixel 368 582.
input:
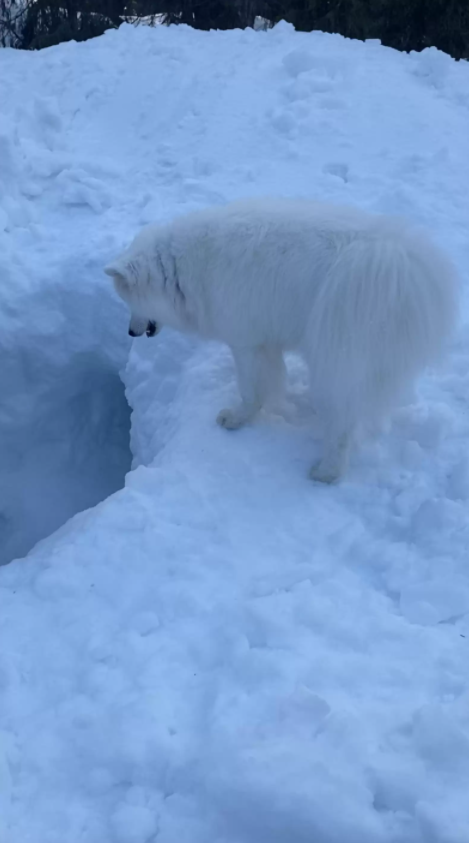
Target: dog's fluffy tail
pixel 385 311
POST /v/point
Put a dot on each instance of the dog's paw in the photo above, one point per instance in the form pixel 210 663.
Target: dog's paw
pixel 324 474
pixel 230 419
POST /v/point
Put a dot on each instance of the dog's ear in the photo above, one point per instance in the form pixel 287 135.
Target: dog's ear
pixel 117 270
pixel 123 272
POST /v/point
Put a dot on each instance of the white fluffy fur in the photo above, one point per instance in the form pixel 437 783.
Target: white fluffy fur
pixel 366 300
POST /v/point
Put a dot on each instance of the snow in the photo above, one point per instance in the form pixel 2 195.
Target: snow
pixel 64 420
pixel 220 650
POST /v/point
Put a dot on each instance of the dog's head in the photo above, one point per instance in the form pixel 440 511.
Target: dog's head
pixel 145 277
pixel 126 275
pixel 133 283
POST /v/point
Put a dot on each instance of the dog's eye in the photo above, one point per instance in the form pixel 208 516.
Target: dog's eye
pixel 151 329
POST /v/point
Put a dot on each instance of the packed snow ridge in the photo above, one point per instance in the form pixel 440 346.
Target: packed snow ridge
pixel 221 650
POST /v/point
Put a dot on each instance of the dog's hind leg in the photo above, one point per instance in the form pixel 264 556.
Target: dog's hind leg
pixel 334 461
pixel 261 374
pixel 272 375
pixel 340 426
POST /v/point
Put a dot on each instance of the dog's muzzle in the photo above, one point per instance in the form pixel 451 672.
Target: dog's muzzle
pixel 150 329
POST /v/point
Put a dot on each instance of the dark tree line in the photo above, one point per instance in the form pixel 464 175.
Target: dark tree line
pixel 403 24
pixel 34 24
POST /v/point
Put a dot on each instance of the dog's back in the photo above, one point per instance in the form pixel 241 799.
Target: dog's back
pixel 258 265
pixel 334 277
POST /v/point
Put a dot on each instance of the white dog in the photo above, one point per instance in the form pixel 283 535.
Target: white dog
pixel 365 300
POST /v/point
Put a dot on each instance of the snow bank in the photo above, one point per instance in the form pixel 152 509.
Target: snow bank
pixel 221 651
pixel 64 419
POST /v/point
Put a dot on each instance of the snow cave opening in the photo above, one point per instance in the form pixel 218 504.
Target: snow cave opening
pixel 70 451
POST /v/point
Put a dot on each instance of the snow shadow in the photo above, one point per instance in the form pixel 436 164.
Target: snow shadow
pixel 68 455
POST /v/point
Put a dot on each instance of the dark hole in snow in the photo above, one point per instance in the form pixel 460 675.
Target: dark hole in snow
pixel 67 453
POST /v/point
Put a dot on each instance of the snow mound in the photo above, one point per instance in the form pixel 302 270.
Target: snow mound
pixel 221 650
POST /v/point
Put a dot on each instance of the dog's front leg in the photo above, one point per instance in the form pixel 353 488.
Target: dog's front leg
pixel 248 362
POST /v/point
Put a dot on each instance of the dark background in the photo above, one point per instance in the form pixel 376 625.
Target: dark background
pixel 403 24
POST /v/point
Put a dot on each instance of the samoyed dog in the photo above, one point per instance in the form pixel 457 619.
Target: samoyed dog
pixel 366 300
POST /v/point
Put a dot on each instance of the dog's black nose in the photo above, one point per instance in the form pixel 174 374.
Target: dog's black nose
pixel 132 333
